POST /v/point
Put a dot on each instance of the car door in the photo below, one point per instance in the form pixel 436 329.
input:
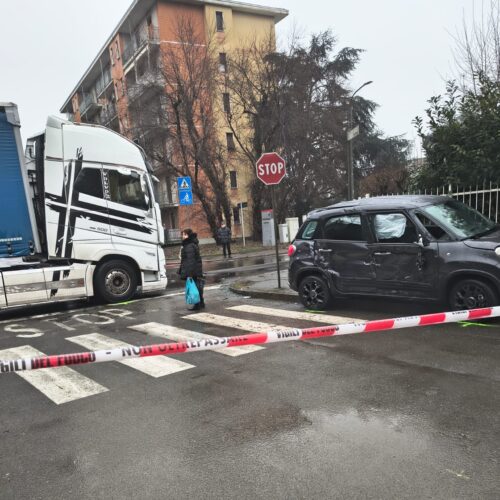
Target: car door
pixel 89 220
pixel 343 252
pixel 403 265
pixel 132 217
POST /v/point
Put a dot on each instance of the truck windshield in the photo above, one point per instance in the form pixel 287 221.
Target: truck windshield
pixel 464 222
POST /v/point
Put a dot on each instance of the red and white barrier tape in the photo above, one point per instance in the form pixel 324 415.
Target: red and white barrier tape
pixel 120 353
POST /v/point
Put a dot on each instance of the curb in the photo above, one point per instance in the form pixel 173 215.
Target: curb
pixel 243 288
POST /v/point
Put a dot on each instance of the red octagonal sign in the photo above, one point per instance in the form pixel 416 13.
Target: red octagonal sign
pixel 271 168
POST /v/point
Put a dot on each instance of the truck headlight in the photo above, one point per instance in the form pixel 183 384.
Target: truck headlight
pixel 497 251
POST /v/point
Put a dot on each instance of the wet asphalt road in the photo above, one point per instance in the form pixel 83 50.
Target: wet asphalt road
pixel 219 270
pixel 407 414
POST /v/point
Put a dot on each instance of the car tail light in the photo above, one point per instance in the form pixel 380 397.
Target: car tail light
pixel 291 250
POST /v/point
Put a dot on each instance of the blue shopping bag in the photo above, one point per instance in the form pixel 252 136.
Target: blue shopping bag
pixel 192 293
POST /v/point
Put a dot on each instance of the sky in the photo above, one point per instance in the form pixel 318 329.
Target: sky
pixel 45 47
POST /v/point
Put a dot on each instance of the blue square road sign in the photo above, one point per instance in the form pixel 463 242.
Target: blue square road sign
pixel 185 198
pixel 184 183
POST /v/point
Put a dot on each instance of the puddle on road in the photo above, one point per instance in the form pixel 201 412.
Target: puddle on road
pixel 372 430
pixel 265 423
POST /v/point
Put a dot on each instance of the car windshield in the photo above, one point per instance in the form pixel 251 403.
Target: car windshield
pixel 463 221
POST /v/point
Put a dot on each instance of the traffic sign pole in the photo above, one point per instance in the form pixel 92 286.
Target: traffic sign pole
pixel 273 196
pixel 271 168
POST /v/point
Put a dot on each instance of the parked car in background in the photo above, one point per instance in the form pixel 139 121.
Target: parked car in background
pixel 416 247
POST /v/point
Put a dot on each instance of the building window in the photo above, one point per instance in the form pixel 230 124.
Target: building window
pixel 219 21
pixel 222 62
pixel 117 51
pixel 226 103
pixel 236 215
pixel 230 141
pixel 112 57
pixel 233 179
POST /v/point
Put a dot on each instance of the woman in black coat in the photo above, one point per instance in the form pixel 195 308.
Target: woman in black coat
pixel 191 264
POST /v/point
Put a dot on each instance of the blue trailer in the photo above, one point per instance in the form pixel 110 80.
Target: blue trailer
pixel 18 237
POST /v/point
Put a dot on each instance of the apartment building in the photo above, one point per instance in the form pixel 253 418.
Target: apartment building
pixel 113 86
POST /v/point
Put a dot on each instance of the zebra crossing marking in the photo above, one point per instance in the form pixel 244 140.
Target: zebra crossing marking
pixel 286 313
pixel 156 367
pixel 227 321
pixel 181 335
pixel 60 385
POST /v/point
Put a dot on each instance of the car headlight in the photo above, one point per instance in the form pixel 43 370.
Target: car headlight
pixel 497 251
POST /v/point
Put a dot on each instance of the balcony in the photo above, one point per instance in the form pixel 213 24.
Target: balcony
pixel 139 40
pixel 168 199
pixel 148 85
pixel 173 235
pixel 103 82
pixel 89 105
pixel 108 113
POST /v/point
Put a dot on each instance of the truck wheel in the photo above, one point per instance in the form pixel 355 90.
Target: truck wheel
pixel 115 281
pixel 314 293
pixel 471 294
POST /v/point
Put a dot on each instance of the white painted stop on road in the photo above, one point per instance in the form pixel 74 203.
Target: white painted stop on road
pixel 271 168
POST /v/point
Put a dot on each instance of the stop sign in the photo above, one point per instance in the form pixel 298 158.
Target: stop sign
pixel 271 168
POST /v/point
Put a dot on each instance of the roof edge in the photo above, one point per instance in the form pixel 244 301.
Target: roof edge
pixel 278 14
pixel 99 54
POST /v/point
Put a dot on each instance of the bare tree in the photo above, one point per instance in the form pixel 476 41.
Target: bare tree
pixel 387 180
pixel 294 101
pixel 176 121
pixel 477 50
pixel 255 119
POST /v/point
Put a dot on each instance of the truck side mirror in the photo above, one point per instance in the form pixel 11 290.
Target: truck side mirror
pixel 423 242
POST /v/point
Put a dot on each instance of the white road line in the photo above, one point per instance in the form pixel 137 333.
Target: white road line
pixel 240 324
pixel 93 308
pixel 175 294
pixel 155 366
pixel 61 385
pixel 181 335
pixel 285 313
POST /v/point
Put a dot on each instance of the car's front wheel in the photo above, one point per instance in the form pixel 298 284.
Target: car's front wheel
pixel 314 293
pixel 471 294
pixel 115 281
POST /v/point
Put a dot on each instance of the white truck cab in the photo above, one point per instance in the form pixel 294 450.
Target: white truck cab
pixel 96 227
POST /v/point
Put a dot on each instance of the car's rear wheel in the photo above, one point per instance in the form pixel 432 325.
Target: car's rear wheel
pixel 471 294
pixel 314 293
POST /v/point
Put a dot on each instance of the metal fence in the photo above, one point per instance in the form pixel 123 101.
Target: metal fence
pixel 483 198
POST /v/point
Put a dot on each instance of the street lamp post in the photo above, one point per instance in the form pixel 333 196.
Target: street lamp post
pixel 350 136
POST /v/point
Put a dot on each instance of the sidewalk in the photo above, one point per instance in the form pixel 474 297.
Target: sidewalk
pixel 265 286
pixel 172 253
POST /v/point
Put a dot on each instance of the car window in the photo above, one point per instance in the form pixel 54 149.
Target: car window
pixel 89 181
pixel 309 230
pixel 344 228
pixel 432 228
pixel 461 220
pixel 394 228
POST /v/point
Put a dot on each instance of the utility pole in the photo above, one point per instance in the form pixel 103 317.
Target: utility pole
pixel 351 134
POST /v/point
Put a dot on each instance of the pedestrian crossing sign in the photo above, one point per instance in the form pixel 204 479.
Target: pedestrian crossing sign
pixel 185 192
pixel 184 183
